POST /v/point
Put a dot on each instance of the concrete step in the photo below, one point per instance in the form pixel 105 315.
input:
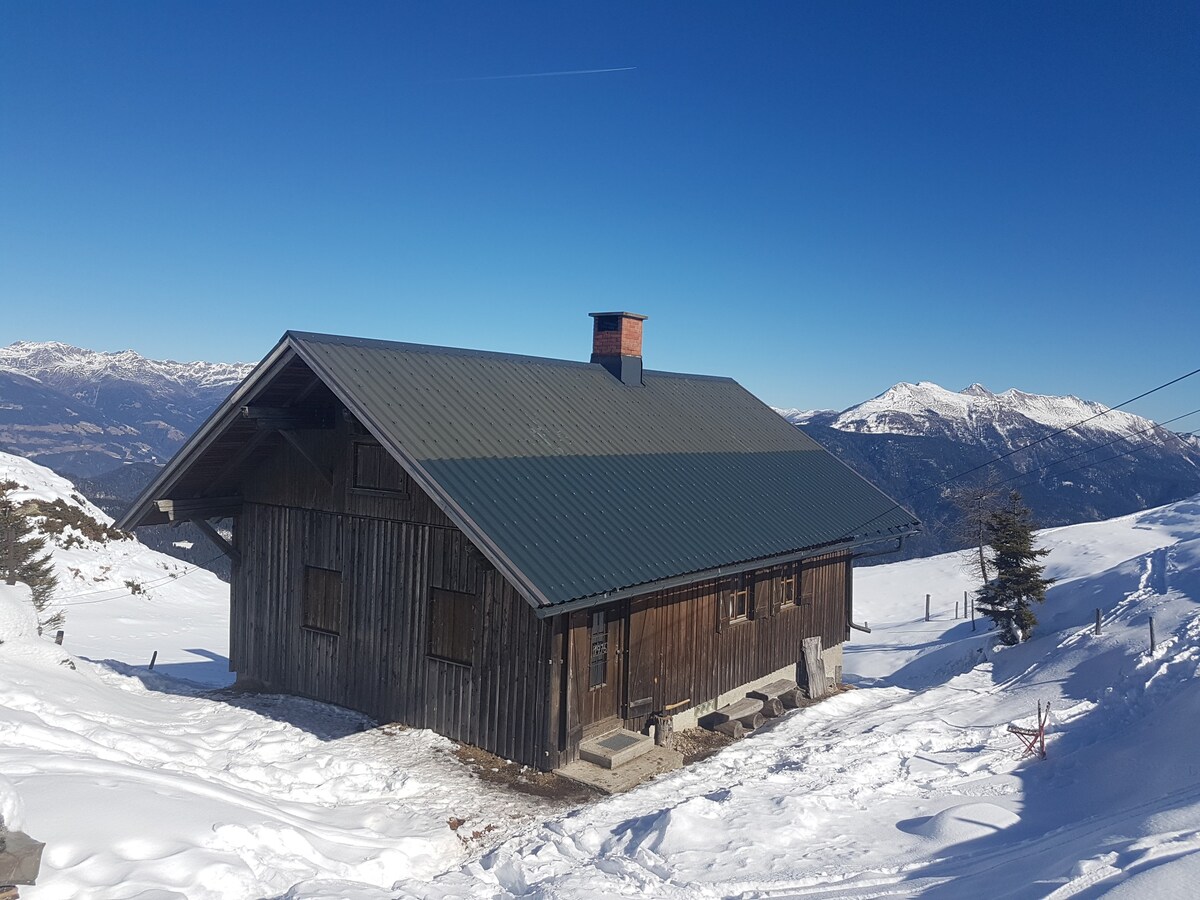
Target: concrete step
pixel 615 748
pixel 650 764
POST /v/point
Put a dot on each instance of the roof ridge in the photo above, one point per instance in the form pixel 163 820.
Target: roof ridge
pixel 438 349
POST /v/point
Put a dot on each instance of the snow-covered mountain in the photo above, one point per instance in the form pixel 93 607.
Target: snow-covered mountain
pixel 975 414
pixel 914 436
pixel 87 412
pixel 64 367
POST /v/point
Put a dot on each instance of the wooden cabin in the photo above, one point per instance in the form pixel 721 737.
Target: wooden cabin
pixel 518 553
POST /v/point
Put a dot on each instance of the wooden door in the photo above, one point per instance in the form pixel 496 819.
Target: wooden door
pixel 597 675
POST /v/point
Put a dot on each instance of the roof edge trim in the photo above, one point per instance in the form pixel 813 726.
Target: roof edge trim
pixel 673 581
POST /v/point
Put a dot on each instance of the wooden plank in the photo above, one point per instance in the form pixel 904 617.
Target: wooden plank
pixel 813 667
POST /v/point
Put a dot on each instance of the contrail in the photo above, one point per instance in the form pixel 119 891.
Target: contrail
pixel 547 74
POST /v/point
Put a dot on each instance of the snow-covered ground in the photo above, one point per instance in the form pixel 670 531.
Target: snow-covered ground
pixel 144 786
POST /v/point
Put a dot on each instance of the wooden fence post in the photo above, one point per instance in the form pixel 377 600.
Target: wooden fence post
pixel 10 554
pixel 1152 634
pixel 926 607
pixel 1097 620
pixel 153 660
pixel 58 638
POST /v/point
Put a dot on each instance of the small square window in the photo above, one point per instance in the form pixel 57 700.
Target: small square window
pixel 741 596
pixel 788 588
pixel 375 469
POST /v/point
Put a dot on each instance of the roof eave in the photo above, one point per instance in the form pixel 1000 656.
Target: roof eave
pixel 683 580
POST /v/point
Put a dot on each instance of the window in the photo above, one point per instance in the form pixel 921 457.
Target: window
pixel 787 585
pixel 375 469
pixel 321 609
pixel 452 616
pixel 741 596
pixel 598 676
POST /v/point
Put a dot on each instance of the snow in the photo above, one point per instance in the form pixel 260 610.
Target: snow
pixel 145 785
pixel 42 358
pixel 904 408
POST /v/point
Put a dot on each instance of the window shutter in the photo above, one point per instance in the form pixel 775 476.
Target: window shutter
pixel 776 586
pixel 724 600
pixel 758 595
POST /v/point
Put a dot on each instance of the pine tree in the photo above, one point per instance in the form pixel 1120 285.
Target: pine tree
pixel 1009 595
pixel 22 558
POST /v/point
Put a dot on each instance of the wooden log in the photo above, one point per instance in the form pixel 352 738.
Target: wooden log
pixel 772 690
pixel 792 698
pixel 752 721
pixel 734 729
pixel 773 708
pixel 816 684
pixel 739 710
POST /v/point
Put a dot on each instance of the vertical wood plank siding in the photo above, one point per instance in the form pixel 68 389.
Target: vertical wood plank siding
pixel 679 650
pixel 392 551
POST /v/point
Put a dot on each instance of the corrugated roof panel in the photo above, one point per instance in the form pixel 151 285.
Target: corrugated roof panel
pixel 588 485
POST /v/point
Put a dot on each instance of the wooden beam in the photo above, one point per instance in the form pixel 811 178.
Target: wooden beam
pixel 184 510
pixel 218 539
pixel 324 472
pixel 297 417
pixel 238 458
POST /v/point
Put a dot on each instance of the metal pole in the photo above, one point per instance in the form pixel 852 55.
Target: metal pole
pixel 926 607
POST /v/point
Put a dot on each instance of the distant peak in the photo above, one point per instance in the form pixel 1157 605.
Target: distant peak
pixel 977 390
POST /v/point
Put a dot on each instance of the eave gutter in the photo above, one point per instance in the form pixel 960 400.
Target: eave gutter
pixel 721 572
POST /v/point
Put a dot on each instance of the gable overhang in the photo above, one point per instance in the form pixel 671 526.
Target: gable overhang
pixel 144 510
pixel 851 547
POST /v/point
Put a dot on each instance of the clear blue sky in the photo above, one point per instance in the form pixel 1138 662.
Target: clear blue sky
pixel 816 199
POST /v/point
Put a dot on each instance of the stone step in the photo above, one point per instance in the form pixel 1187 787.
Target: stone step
pixel 615 748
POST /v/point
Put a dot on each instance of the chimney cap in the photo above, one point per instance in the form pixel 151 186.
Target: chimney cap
pixel 627 315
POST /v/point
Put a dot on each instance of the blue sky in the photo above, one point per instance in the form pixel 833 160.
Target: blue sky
pixel 817 199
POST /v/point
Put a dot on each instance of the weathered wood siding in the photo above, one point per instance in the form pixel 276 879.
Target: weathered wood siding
pixel 679 648
pixel 392 549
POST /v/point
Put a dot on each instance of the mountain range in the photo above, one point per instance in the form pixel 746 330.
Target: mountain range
pixel 109 420
pixel 1084 462
pixel 83 412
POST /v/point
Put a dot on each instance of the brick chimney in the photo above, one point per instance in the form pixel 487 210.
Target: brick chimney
pixel 617 344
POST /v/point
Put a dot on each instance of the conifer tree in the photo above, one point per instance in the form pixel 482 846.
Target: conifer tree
pixel 1017 582
pixel 22 558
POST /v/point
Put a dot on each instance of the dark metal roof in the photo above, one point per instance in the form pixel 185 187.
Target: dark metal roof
pixel 577 485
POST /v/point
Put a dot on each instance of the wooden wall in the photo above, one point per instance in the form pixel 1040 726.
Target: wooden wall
pixel 391 550
pixel 679 648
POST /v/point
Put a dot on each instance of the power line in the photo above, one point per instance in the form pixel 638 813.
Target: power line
pixel 1094 463
pixel 1084 452
pixel 1015 450
pixel 149 584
